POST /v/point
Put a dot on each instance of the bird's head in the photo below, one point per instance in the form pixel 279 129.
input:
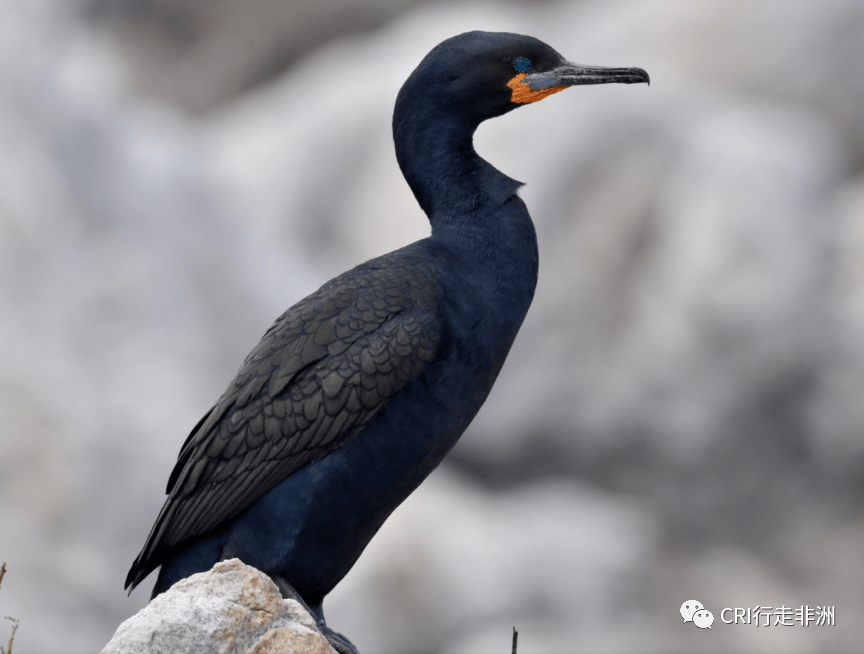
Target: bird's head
pixel 462 82
pixel 480 75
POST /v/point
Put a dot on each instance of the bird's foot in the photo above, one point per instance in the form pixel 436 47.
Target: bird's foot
pixel 337 641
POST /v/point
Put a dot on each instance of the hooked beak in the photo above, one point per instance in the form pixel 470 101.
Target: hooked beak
pixel 570 74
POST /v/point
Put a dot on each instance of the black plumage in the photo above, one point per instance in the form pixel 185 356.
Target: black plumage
pixel 358 391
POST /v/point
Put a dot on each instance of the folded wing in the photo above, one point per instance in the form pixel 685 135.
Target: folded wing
pixel 319 375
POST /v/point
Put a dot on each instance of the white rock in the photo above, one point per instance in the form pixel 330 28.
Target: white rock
pixel 232 609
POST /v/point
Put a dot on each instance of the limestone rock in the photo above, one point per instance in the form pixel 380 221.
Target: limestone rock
pixel 232 609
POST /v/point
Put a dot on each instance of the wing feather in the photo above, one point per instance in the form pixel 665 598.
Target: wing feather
pixel 319 375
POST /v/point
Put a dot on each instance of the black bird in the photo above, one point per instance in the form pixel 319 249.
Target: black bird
pixel 357 392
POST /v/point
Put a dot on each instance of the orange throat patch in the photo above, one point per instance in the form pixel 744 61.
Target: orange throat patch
pixel 522 93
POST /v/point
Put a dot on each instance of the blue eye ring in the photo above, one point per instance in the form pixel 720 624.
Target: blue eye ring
pixel 522 64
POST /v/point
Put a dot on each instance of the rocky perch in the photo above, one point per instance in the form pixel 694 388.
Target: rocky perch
pixel 232 609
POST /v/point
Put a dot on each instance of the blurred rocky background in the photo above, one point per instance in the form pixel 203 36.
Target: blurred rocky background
pixel 681 416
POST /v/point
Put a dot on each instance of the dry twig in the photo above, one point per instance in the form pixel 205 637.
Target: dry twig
pixel 8 649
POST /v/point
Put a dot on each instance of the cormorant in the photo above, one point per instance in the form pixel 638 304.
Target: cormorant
pixel 357 392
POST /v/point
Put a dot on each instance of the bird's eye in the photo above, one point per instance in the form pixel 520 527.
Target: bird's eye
pixel 522 64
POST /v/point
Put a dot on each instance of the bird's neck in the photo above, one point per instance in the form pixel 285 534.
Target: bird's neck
pixel 475 213
pixel 470 204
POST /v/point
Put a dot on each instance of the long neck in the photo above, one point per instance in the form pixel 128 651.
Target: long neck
pixel 461 193
pixel 473 207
